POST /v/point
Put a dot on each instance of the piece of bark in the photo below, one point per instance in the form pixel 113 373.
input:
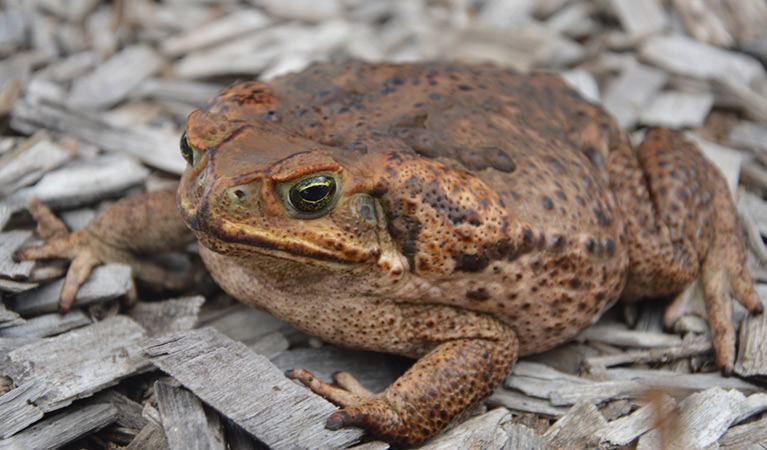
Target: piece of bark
pixel 270 345
pixel 749 135
pixel 47 325
pixel 17 410
pixel 685 56
pixel 156 147
pixel 375 371
pixel 675 109
pixel 626 429
pixel 520 402
pixel 752 359
pixel 636 383
pixel 105 283
pixel 245 324
pixel 128 412
pixel 81 182
pixel 25 167
pixel 703 23
pixel 114 78
pixel 237 23
pixel 256 396
pixel 640 18
pixel 658 355
pixel 151 437
pixel 167 316
pixel 184 420
pixel 490 431
pixel 539 381
pixel 70 366
pixel 583 82
pixel 754 404
pixel 578 429
pixel 10 241
pixel 750 436
pixel 703 418
pixel 8 318
pixel 62 428
pixel 623 337
pixel 628 94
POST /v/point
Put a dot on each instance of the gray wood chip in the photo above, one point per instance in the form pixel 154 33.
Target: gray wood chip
pixel 677 109
pixel 634 383
pixel 376 371
pixel 10 242
pixel 640 18
pixel 105 283
pixel 623 337
pixel 662 355
pixel 703 419
pixel 184 420
pixel 114 78
pixel 62 428
pixel 8 318
pixel 705 24
pixel 752 358
pixel 246 324
pixel 156 147
pixel 256 396
pixel 47 325
pixel 628 94
pixel 17 408
pixel 750 436
pixel 578 429
pixel 624 430
pixel 583 82
pixel 305 10
pixel 749 135
pixel 538 380
pixel 685 56
pixel 489 431
pixel 151 437
pixel 23 168
pixel 520 402
pixel 81 182
pixel 754 404
pixel 223 29
pixel 70 366
pixel 168 316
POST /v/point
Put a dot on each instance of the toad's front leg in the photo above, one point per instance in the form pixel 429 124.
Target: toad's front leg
pixel 452 378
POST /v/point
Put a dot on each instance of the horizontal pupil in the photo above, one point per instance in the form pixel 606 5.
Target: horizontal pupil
pixel 315 193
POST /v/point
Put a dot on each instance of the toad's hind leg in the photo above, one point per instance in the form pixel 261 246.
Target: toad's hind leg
pixel 464 366
pixel 681 222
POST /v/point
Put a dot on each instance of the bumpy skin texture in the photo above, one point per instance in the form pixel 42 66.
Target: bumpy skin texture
pixel 479 215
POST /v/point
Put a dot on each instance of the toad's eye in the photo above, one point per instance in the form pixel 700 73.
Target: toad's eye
pixel 312 195
pixel 190 154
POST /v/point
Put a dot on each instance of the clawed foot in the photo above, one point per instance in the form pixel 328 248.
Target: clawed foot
pixel 360 407
pixel 86 249
pixel 722 280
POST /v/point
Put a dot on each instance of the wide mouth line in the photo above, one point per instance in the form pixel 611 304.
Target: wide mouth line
pixel 262 246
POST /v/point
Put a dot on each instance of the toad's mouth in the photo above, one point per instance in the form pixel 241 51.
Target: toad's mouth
pixel 234 239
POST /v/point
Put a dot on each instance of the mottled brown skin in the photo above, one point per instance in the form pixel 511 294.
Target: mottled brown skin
pixel 480 215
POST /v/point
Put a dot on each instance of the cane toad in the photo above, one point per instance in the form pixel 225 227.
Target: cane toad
pixel 459 214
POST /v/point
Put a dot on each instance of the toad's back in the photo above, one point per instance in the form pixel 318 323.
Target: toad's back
pixel 550 259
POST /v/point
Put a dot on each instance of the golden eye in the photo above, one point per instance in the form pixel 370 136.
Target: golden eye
pixel 312 195
pixel 190 154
